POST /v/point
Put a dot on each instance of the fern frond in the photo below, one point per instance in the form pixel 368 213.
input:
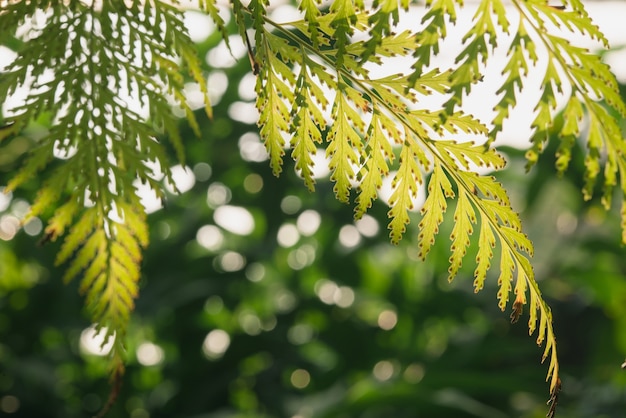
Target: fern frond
pixel 343 20
pixel 344 138
pixel 308 123
pixel 479 40
pixel 405 186
pixel 83 61
pixel 381 23
pixel 515 70
pixel 439 190
pixel 311 16
pixel 481 202
pixel 376 166
pixel 499 224
pixel 439 12
pixel 464 218
pixel 591 81
pixel 210 7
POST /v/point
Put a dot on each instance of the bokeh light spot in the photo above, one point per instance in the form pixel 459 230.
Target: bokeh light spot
pixel 387 320
pixel 9 225
pixel 383 370
pixel 269 323
pixel 284 300
pixel 284 13
pixel 20 208
pixel 309 222
pixel 414 373
pixel 246 88
pixel 5 199
pixel 301 257
pixel 288 235
pixel 243 112
pixel 253 183
pixel 9 404
pixel 218 195
pixel 217 83
pixel 320 164
pixel 343 297
pixel 290 204
pixel 367 226
pixel 231 261
pixel 163 230
pixel 33 227
pixel 349 236
pixel 183 179
pixel 325 291
pixel 255 272
pixel 149 354
pixel 147 196
pixel 202 171
pixel 300 378
pixel 234 219
pixel 225 55
pixel 300 334
pixel 139 413
pixel 194 95
pixel 210 237
pixel 199 25
pixel 566 223
pixel 215 344
pixel 91 342
pixel 213 305
pixel 250 323
pixel 251 148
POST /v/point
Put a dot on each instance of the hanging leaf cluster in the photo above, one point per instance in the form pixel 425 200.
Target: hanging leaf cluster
pixel 315 93
pixel 79 62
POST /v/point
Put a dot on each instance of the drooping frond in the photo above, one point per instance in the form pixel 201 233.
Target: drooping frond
pixel 107 75
pixel 375 130
pixel 480 40
pixel 593 92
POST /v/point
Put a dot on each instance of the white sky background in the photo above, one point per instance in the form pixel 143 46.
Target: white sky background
pixel 608 15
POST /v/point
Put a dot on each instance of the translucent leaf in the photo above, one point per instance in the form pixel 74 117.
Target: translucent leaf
pixel 464 218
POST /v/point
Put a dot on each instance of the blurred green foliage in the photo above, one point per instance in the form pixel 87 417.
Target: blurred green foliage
pixel 297 321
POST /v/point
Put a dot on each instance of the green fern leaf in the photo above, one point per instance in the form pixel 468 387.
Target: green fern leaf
pixel 515 69
pixel 273 117
pixel 439 189
pixel 476 51
pixel 405 186
pixel 344 137
pixel 467 152
pixel 464 217
pixel 311 15
pixel 381 24
pixel 435 31
pixel 344 17
pixel 507 266
pixel 391 90
pixel 100 156
pixel 376 166
pixel 306 126
pixel 573 117
pixel 486 244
